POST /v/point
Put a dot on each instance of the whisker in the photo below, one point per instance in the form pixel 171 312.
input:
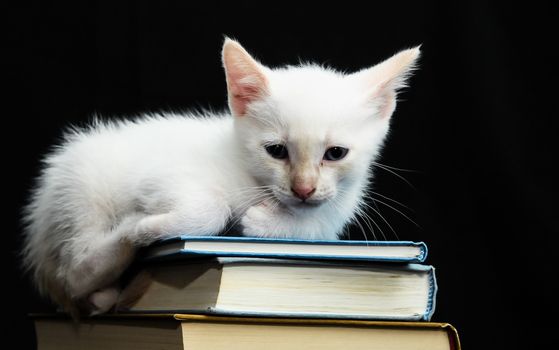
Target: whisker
pixel 334 204
pixel 378 226
pixel 390 199
pixel 345 231
pixel 367 220
pixel 249 189
pixel 360 215
pixel 377 211
pixel 247 203
pixel 398 211
pixel 362 230
pixel 398 169
pixel 393 173
pixel 251 200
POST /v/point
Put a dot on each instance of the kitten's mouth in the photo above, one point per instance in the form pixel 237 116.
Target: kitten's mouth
pixel 308 204
pixel 304 204
pixel 297 203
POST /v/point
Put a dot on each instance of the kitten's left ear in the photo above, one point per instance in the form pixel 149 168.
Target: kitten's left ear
pixel 383 81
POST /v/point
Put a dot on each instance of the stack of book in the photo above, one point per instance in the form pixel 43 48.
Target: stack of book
pixel 242 293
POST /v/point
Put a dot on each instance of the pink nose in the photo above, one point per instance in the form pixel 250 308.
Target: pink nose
pixel 303 192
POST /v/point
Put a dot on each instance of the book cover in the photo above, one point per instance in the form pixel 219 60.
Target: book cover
pixel 223 246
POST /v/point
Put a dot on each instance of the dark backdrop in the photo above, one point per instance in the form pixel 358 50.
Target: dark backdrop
pixel 478 125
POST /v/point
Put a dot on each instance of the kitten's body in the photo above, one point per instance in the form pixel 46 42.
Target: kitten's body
pixel 115 187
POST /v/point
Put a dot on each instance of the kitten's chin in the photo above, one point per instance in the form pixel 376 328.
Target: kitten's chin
pixel 307 204
pixel 297 204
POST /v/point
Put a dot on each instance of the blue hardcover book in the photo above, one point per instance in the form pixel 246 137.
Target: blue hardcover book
pixel 284 288
pixel 222 246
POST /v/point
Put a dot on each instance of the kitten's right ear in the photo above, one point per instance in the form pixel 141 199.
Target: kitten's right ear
pixel 246 80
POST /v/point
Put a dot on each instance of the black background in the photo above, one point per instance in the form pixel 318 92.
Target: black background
pixel 478 125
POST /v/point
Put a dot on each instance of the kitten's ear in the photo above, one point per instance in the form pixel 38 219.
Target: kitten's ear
pixel 246 79
pixel 383 81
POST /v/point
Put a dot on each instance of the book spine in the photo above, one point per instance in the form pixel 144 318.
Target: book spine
pixel 432 299
pixel 423 251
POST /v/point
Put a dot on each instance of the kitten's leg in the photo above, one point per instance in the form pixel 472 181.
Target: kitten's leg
pixel 206 216
pixel 97 261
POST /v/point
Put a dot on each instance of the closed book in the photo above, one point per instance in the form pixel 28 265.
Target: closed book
pixel 198 332
pixel 386 251
pixel 284 288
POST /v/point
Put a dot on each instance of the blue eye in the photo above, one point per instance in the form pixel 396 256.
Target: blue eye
pixel 335 153
pixel 277 151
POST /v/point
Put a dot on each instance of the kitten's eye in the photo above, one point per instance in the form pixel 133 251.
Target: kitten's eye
pixel 335 153
pixel 277 151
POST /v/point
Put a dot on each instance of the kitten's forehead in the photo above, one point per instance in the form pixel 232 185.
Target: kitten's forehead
pixel 311 90
pixel 312 101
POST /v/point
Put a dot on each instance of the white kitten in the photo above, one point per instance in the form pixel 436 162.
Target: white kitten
pixel 292 160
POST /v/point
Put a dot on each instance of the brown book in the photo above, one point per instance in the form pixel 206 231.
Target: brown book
pixel 199 332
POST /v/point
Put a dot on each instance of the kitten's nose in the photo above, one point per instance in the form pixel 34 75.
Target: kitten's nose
pixel 303 192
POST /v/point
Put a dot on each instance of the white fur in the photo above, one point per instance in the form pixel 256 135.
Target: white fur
pixel 114 187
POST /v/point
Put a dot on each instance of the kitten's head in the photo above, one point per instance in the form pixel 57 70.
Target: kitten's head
pixel 310 133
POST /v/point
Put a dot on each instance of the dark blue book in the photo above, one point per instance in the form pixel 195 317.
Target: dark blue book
pixel 220 246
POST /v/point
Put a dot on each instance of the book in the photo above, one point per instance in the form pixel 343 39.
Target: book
pixel 284 288
pixel 388 251
pixel 197 332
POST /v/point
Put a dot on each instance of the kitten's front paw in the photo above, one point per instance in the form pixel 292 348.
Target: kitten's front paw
pixel 103 300
pixel 258 220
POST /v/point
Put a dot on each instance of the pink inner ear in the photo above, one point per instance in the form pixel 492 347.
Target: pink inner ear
pixel 243 93
pixel 239 104
pixel 242 96
pixel 246 80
